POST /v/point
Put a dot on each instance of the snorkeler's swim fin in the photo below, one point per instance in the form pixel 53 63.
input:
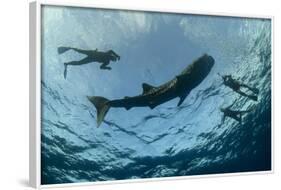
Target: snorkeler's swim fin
pixel 255 98
pixel 63 49
pixel 255 90
pixel 65 70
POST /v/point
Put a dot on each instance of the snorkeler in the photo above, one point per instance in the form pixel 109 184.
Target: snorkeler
pixel 234 114
pixel 92 56
pixel 236 86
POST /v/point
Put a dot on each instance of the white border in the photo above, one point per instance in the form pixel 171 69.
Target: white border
pixel 32 94
pixel 35 173
pixel 35 95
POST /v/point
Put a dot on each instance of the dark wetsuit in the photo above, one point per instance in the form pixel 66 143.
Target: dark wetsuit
pixel 92 56
pixel 232 83
pixel 95 56
pixel 236 86
pixel 234 114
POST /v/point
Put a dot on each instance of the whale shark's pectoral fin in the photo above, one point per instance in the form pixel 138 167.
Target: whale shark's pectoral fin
pixel 146 87
pixel 152 106
pixel 127 106
pixel 182 98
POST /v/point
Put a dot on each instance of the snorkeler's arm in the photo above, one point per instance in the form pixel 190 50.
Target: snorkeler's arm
pixel 115 54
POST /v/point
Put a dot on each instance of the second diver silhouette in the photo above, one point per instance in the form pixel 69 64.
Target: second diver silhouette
pixel 236 86
pixel 234 114
pixel 92 56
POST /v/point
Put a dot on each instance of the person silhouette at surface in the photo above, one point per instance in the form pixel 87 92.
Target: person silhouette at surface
pixel 237 86
pixel 234 114
pixel 92 56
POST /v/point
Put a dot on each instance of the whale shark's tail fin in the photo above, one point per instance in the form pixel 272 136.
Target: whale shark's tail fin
pixel 63 49
pixel 101 105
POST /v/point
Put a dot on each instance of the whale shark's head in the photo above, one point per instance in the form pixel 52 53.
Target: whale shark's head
pixel 198 70
pixel 205 64
pixel 208 62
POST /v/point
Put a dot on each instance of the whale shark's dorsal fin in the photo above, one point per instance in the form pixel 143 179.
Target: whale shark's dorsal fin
pixel 146 87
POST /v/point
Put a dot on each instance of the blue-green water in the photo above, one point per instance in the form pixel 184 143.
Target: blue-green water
pixel 168 140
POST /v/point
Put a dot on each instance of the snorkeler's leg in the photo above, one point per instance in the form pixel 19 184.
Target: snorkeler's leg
pixel 245 111
pixel 254 90
pixel 81 62
pixel 237 117
pixel 65 70
pixel 85 52
pixel 241 93
pixel 240 118
pixel 255 98
pixel 63 49
pixel 104 66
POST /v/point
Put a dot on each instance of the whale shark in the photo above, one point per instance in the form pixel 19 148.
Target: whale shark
pixel 152 96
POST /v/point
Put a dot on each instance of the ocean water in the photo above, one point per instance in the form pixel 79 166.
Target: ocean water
pixel 167 140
